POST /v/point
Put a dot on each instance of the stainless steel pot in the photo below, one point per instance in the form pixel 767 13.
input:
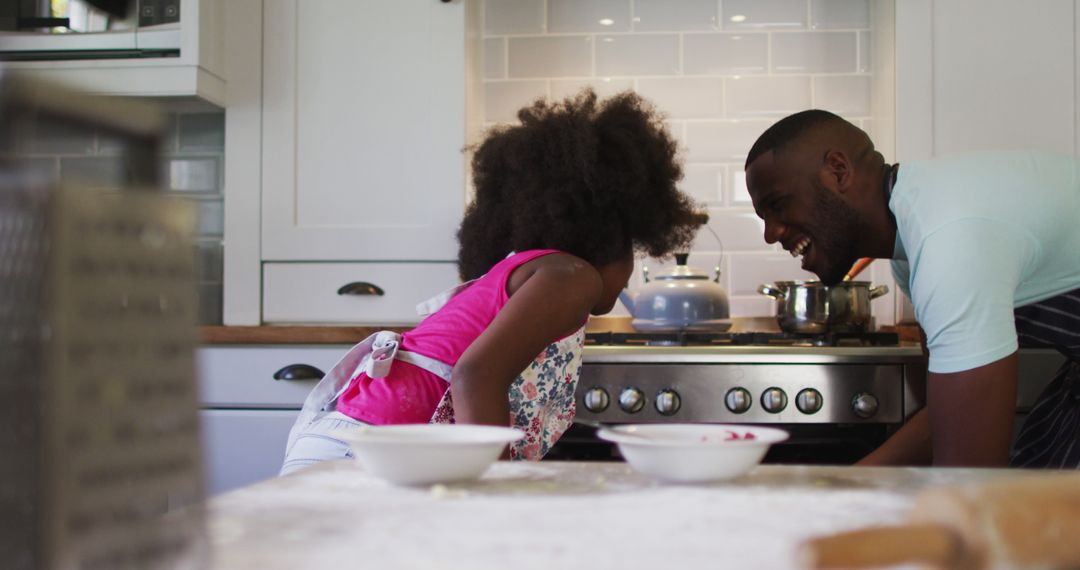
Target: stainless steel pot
pixel 813 307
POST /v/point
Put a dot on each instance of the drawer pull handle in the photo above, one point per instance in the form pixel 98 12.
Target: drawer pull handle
pixel 299 372
pixel 360 288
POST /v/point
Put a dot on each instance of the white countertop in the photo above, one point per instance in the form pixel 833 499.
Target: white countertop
pixel 555 515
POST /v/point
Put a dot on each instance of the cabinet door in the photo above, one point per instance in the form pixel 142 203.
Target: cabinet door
pixel 241 447
pixel 984 75
pixel 363 129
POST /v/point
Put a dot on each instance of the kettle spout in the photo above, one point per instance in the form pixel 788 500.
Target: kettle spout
pixel 627 299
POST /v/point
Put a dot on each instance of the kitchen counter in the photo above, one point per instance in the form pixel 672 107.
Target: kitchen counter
pixel 551 515
pixel 323 334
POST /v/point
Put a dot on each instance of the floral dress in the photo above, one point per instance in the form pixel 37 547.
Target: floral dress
pixel 541 398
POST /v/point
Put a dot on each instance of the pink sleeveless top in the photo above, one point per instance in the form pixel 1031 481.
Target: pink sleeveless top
pixel 410 394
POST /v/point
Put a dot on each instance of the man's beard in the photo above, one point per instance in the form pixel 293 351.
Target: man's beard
pixel 835 230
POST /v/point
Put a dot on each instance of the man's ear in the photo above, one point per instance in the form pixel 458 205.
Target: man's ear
pixel 837 172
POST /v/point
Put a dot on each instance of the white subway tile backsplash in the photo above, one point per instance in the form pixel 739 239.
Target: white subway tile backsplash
pixel 592 16
pixel 675 15
pixel 194 175
pixel 208 296
pixel 637 55
pixel 752 306
pixel 719 82
pixel 494 58
pixel 56 138
pixel 738 194
pixel 677 130
pixel 843 94
pixel 208 261
pixel 722 141
pixel 703 183
pixel 210 220
pixel 502 99
pixel 774 96
pixel 725 54
pixel 202 131
pixel 754 14
pixel 685 97
pixel 513 17
pixel 832 14
pixel 814 52
pixel 750 271
pixel 739 231
pixel 106 172
pixel 866 54
pixel 603 86
pixel 551 56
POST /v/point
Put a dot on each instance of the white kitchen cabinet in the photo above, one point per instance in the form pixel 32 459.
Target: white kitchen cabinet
pixel 363 127
pixel 382 293
pixel 246 412
pixel 241 447
pixel 985 75
pixel 197 71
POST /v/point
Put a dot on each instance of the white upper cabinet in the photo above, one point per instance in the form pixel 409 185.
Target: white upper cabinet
pixel 364 115
pixel 179 59
pixel 985 75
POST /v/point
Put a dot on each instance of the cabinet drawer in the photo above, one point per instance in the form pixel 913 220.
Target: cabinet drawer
pixel 243 376
pixel 381 293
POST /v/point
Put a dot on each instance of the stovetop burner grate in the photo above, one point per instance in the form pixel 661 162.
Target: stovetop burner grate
pixel 691 338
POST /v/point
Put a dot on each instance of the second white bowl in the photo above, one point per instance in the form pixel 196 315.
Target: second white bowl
pixel 692 453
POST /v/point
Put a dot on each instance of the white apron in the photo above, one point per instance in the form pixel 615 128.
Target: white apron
pixel 541 398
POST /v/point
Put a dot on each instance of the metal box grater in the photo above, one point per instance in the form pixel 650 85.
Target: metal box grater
pixel 99 434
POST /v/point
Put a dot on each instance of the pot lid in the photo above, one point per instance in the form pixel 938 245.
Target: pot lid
pixel 682 270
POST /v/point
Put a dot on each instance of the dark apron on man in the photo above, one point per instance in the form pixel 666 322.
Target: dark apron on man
pixel 1050 437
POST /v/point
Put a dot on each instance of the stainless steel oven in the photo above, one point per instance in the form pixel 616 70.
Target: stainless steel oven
pixel 839 396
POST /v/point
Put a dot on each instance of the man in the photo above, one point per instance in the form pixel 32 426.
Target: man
pixel 987 246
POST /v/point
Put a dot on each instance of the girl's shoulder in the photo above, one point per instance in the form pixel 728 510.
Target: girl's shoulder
pixel 569 269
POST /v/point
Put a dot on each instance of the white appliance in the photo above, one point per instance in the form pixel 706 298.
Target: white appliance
pixel 36 30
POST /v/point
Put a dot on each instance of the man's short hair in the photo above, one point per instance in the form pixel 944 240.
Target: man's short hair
pixel 788 129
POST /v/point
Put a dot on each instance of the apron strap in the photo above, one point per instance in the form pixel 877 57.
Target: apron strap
pixel 435 303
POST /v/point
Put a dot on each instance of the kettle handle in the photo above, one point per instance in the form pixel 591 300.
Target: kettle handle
pixel 878 291
pixel 770 291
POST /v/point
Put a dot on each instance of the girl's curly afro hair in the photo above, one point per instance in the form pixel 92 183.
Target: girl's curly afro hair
pixel 591 179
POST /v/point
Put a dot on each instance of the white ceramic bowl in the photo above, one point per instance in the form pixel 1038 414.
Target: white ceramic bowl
pixel 423 454
pixel 692 453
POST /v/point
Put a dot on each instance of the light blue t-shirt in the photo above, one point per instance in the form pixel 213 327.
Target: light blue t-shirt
pixel 978 235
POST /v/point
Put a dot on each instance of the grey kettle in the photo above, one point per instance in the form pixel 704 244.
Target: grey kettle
pixel 683 298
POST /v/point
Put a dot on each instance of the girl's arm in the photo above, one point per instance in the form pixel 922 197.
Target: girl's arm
pixel 554 300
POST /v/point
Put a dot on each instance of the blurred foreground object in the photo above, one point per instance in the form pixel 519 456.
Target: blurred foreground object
pixel 1023 522
pixel 98 424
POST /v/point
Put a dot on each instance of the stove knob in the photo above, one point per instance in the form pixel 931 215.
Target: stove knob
pixel 864 405
pixel 667 402
pixel 808 401
pixel 631 400
pixel 774 400
pixel 738 400
pixel 596 399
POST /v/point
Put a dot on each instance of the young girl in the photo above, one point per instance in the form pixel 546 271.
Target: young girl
pixel 563 201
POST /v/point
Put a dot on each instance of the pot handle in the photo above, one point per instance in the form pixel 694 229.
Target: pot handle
pixel 878 291
pixel 770 291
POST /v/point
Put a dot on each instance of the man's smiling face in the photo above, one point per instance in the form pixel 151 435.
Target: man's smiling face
pixel 807 217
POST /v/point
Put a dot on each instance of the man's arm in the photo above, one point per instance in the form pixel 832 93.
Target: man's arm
pixel 968 421
pixel 910 445
pixel 971 414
